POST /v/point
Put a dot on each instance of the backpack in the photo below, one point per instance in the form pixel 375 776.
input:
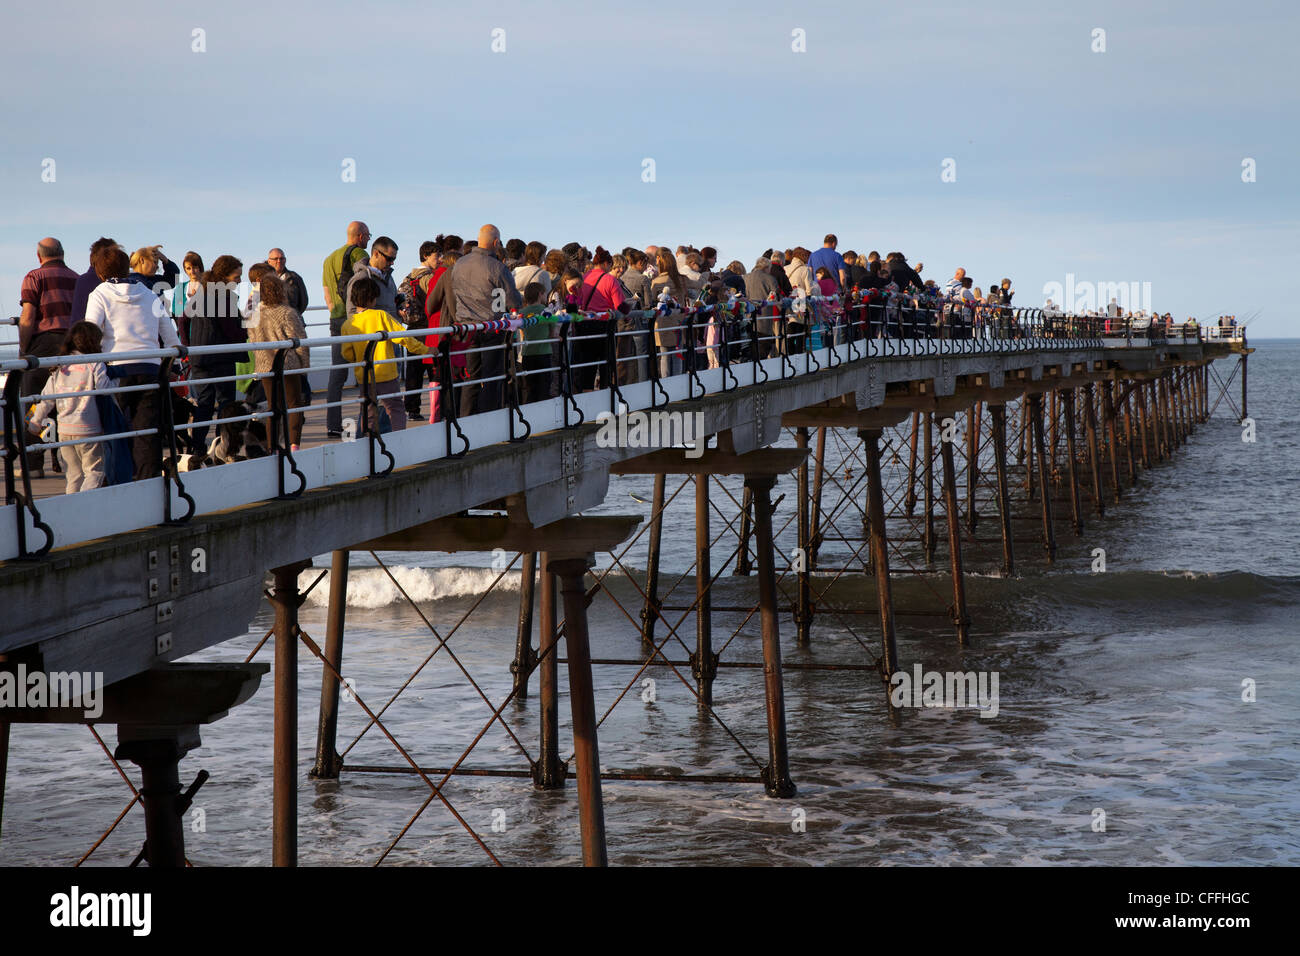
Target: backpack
pixel 411 302
pixel 345 274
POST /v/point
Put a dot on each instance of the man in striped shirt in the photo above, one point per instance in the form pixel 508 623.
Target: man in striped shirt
pixel 952 288
pixel 46 317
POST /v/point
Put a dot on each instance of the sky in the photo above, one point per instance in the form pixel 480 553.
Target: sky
pixel 767 124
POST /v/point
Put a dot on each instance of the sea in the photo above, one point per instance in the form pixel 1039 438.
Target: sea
pixel 1147 709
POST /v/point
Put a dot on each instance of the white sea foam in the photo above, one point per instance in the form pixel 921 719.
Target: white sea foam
pixel 372 587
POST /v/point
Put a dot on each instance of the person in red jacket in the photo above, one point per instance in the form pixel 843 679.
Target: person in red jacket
pixel 601 292
pixel 440 311
pixel 413 295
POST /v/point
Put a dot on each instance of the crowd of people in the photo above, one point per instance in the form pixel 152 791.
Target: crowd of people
pixel 134 304
pixel 142 302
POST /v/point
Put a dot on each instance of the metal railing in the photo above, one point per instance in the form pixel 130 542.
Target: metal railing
pixel 595 361
pixel 1225 333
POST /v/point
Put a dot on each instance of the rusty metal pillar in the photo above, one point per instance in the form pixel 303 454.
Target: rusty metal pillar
pixel 1112 435
pixel 909 501
pixel 1198 392
pixel 525 657
pixel 1027 448
pixel 704 663
pixel 743 566
pixel 4 761
pixel 650 612
pixel 4 769
pixel 1094 455
pixel 1130 436
pixel 158 757
pixel 1182 404
pixel 776 775
pixel 1153 420
pixel 880 556
pixel 960 619
pixel 1166 446
pixel 1205 392
pixel 1244 356
pixel 803 576
pixel 1139 400
pixel 999 426
pixel 1185 402
pixel 284 786
pixel 972 464
pixel 582 701
pixel 1180 391
pixel 819 475
pixel 1049 534
pixel 328 762
pixel 1026 443
pixel 549 771
pixel 1171 402
pixel 1157 407
pixel 1076 513
pixel 1053 434
pixel 1171 410
pixel 927 472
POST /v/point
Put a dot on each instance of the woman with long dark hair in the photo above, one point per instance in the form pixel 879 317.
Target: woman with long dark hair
pixel 214 319
pixel 193 265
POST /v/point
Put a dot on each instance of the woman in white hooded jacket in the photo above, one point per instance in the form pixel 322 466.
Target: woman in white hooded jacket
pixel 131 316
pixel 133 319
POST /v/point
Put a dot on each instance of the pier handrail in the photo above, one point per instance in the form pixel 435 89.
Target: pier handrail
pixel 664 348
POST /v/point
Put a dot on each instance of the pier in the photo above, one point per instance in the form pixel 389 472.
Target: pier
pixel 952 454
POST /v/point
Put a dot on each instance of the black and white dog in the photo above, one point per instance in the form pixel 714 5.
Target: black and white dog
pixel 237 441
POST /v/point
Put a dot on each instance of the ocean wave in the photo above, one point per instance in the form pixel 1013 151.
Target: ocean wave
pixel 373 588
pixel 1178 587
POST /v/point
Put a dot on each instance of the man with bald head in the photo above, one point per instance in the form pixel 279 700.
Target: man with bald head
pixel 485 290
pixel 953 286
pixel 340 262
pixel 46 298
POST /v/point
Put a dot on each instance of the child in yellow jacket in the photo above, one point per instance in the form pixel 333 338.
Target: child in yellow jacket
pixel 367 320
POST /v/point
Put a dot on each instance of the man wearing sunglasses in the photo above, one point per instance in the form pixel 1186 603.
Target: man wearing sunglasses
pixel 383 256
